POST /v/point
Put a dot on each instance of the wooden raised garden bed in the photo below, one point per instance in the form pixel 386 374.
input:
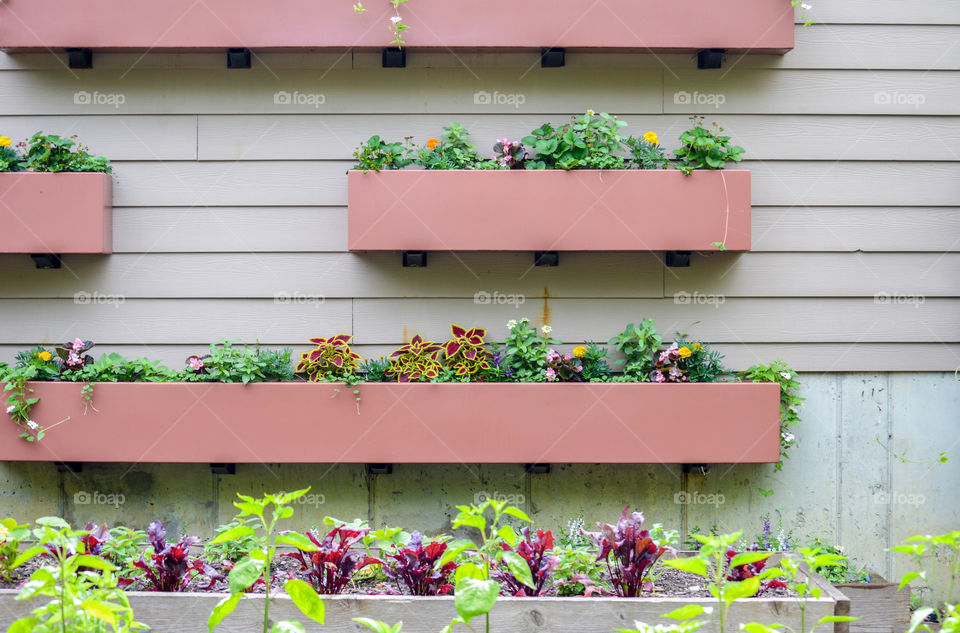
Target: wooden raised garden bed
pixel 551 210
pixel 406 423
pixel 879 605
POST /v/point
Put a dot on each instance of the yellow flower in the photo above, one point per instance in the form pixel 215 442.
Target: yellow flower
pixel 579 351
pixel 684 352
pixel 651 137
pixel 697 347
pixel 5 141
pixel 432 143
pixel 45 356
pixel 4 532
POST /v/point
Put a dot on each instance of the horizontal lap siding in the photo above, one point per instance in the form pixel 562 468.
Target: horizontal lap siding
pixel 230 216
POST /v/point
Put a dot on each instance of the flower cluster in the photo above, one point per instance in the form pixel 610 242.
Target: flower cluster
pixel 667 365
pixel 565 367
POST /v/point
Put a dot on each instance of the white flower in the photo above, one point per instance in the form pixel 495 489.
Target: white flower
pixel 787 437
pixel 11 409
pixel 32 424
pixel 805 6
pixel 512 323
pixel 395 19
pixel 546 329
pixel 786 375
pixel 525 320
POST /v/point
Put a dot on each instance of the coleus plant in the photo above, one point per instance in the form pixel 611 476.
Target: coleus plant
pixel 418 360
pixel 464 353
pixel 332 565
pixel 750 569
pixel 331 358
pixel 417 567
pixel 633 552
pixel 169 567
pixel 532 549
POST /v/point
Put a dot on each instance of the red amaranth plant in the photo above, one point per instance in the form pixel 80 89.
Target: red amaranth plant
pixel 332 358
pixel 464 353
pixel 332 566
pixel 634 553
pixel 415 361
pixel 533 549
pixel 738 573
pixel 415 565
pixel 169 567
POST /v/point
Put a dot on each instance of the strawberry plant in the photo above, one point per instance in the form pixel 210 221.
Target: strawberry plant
pixel 376 154
pixel 418 360
pixel 330 359
pixel 533 550
pixel 633 552
pixel 464 353
pixel 702 148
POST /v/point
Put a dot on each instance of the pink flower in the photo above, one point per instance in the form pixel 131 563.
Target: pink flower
pixel 73 358
pixel 195 363
pixel 658 377
pixel 551 374
pixel 77 344
pixel 567 356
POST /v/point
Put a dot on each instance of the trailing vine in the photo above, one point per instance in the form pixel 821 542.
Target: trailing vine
pixel 395 24
pixel 780 373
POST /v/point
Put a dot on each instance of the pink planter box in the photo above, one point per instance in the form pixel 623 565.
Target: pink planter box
pixel 520 210
pixel 406 423
pixel 761 26
pixel 56 213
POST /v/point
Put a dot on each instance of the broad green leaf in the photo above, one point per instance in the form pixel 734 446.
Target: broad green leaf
pixel 244 574
pixel 306 599
pixel 470 520
pixel 24 625
pixel 224 608
pixel 474 597
pixel 99 610
pixel 745 558
pixel 26 555
pixel 692 565
pixel 744 589
pixel 288 497
pixel 234 533
pixel 248 508
pixel 467 570
pixel 287 626
pixel 449 627
pixel 86 560
pixel 508 534
pixel 378 626
pixel 756 627
pixel 455 549
pixel 910 577
pixel 688 612
pixel 519 568
pixel 835 618
pixel 297 540
pixel 517 512
pixel 918 618
pixel 55 522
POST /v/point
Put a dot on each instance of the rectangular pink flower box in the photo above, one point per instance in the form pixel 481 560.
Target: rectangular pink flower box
pixel 760 26
pixel 56 213
pixel 300 422
pixel 550 210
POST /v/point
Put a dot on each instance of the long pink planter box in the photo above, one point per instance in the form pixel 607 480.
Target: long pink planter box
pixel 762 26
pixel 56 213
pixel 406 423
pixel 589 210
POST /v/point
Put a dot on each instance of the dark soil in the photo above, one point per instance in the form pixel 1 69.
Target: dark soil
pixel 673 583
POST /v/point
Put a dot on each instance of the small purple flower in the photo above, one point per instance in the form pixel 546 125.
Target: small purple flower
pixel 551 374
pixel 658 376
pixel 77 344
pixel 73 359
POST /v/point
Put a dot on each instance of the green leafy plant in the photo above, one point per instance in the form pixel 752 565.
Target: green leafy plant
pixel 525 351
pixel 464 352
pixel 255 567
pixel 331 359
pixel 235 548
pixel 452 151
pixel 11 535
pixel 9 158
pixel 113 367
pixel 594 360
pixel 926 551
pixel 375 369
pixel 638 343
pixel 510 154
pixel 686 621
pixel 378 155
pixel 780 373
pixel 589 141
pixel 123 548
pixel 416 361
pixel 702 148
pixel 82 588
pixel 700 363
pixel 51 153
pixel 33 364
pixel 843 571
pixel 228 362
pixel 646 152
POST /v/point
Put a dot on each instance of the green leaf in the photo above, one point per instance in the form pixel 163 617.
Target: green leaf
pixel 244 574
pixel 99 610
pixel 835 618
pixel 24 625
pixel 55 522
pixel 234 533
pixel 691 565
pixel 378 626
pixel 474 597
pixel 289 497
pixel 224 608
pixel 745 558
pixel 306 599
pixel 688 612
pixel 744 589
pixel 919 617
pixel 508 534
pixel 455 549
pixel 287 626
pixel 26 555
pixel 756 627
pixel 518 513
pixel 467 570
pixel 470 520
pixel 909 577
pixel 519 568
pixel 86 560
pixel 299 541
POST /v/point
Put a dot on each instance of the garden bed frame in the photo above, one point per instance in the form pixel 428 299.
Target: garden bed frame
pixel 881 606
pixel 301 422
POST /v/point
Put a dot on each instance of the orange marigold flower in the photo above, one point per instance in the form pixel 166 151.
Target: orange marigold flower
pixel 651 137
pixel 5 141
pixel 432 143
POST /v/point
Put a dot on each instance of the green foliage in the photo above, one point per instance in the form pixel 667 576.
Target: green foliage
pixel 638 343
pixel 525 351
pixel 113 367
pixel 123 548
pixel 82 589
pixel 235 548
pixel 843 571
pixel 417 361
pixel 926 552
pixel 51 153
pixel 377 154
pixel 701 364
pixel 703 148
pixel 11 535
pixel 589 141
pixel 331 359
pixel 646 152
pixel 686 621
pixel 33 364
pixel 375 370
pixel 9 158
pixel 229 363
pixel 780 373
pixel 452 151
pixel 594 359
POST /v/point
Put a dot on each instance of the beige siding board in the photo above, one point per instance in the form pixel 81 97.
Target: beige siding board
pixel 335 275
pixel 856 228
pixel 253 91
pixel 310 183
pixel 301 136
pixel 884 12
pixel 748 90
pixel 116 137
pixel 766 320
pixel 893 276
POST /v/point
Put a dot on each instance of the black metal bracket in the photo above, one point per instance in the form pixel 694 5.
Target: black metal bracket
pixel 223 469
pixel 46 260
pixel 414 259
pixel 379 469
pixel 69 467
pixel 394 58
pixel 677 259
pixel 238 58
pixel 710 58
pixel 80 58
pixel 546 258
pixel 696 469
pixel 553 58
pixel 537 469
